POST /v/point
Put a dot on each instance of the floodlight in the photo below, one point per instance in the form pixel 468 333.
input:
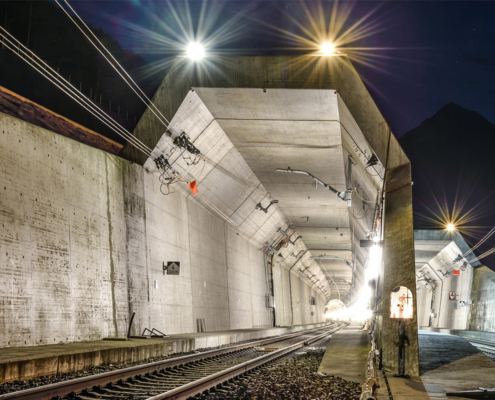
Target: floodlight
pixel 195 51
pixel 450 227
pixel 327 49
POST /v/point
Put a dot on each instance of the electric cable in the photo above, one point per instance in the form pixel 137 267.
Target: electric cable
pixel 65 86
pixel 61 83
pixel 485 254
pixel 487 236
pixel 141 94
pixel 367 201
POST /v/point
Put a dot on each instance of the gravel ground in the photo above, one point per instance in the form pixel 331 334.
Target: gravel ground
pixel 295 378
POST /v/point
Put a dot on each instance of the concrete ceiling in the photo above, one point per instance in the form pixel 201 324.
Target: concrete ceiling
pixel 245 134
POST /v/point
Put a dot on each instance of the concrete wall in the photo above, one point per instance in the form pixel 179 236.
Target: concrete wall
pixel 449 314
pixel 397 270
pixel 83 240
pixel 299 312
pixel 62 239
pixel 482 316
pixel 335 73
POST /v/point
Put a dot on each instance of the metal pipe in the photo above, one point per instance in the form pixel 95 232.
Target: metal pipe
pixel 341 195
pixel 332 258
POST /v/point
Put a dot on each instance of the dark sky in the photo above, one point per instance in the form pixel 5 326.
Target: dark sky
pixel 433 52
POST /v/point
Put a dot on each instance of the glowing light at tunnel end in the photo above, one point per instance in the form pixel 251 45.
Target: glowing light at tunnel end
pixel 361 310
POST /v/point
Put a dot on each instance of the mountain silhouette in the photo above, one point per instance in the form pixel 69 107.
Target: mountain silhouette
pixel 453 170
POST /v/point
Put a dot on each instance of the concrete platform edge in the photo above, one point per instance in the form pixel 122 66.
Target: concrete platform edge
pixel 34 367
pixel 477 335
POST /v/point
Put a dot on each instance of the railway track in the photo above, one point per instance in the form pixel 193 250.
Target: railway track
pixel 484 346
pixel 176 378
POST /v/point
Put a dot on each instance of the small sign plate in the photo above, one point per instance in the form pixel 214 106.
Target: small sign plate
pixel 451 295
pixel 457 272
pixel 172 268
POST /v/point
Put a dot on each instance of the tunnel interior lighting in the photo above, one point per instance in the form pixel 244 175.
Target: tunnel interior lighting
pixel 327 49
pixel 374 263
pixel 195 51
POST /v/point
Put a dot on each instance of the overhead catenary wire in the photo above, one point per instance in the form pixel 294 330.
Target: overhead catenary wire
pixel 61 83
pixel 487 236
pixel 485 254
pixel 117 66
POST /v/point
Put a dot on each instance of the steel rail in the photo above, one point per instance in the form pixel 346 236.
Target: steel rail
pixel 199 386
pixel 75 385
pixel 487 347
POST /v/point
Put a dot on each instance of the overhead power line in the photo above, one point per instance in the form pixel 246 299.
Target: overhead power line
pixel 485 254
pixel 33 60
pixel 487 236
pixel 116 66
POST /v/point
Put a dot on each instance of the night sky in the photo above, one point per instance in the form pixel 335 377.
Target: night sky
pixel 430 52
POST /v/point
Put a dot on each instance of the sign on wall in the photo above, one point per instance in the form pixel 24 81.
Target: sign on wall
pixel 172 268
pixel 457 272
pixel 451 295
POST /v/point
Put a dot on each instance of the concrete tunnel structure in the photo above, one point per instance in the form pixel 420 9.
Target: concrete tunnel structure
pixel 97 229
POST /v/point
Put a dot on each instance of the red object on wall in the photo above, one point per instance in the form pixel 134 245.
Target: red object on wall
pixel 457 272
pixel 194 188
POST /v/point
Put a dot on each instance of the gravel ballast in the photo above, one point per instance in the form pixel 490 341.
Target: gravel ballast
pixel 296 378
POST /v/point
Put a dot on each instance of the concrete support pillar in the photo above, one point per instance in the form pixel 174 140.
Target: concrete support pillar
pixel 398 269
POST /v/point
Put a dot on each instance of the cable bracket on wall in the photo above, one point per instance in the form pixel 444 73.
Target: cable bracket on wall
pixel 265 209
pixel 269 249
pixel 316 181
pixel 168 175
pixel 184 142
pixel 298 254
pixel 286 232
pixel 295 240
